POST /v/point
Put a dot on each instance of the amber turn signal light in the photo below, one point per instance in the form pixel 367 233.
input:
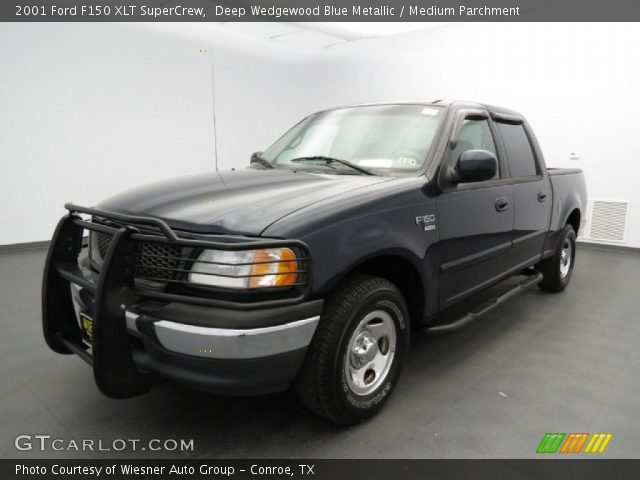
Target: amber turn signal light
pixel 274 267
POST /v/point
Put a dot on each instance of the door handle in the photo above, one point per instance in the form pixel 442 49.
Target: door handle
pixel 502 204
pixel 542 196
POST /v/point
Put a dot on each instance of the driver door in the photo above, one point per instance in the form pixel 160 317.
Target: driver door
pixel 476 219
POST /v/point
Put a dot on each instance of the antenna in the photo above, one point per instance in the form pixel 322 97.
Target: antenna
pixel 215 138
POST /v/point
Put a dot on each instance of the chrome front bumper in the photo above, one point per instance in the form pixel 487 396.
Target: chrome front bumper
pixel 220 343
pixel 261 358
pixel 229 344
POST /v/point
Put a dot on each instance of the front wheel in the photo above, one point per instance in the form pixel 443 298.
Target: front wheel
pixel 355 357
pixel 557 270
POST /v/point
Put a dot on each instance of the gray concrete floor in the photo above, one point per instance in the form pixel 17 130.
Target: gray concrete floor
pixel 542 363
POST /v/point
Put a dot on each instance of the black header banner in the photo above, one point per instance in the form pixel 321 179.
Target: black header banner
pixel 319 10
pixel 275 469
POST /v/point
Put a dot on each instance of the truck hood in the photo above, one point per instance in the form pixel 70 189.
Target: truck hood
pixel 238 202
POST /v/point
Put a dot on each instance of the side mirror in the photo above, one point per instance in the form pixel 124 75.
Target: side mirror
pixel 476 166
pixel 255 157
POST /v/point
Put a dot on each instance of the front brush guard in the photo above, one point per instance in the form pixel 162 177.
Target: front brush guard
pixel 113 367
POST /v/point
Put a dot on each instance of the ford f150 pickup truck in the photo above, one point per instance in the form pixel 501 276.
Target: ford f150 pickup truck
pixel 311 267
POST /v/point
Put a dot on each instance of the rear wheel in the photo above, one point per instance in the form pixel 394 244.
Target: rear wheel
pixel 357 352
pixel 557 270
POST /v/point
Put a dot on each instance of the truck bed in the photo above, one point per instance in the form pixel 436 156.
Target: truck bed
pixel 569 192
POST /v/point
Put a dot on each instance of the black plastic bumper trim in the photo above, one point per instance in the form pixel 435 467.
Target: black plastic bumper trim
pixel 224 377
pixel 215 317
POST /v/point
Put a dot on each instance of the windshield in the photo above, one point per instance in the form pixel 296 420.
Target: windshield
pixel 383 139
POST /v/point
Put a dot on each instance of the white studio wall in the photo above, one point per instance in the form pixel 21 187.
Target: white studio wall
pixel 88 110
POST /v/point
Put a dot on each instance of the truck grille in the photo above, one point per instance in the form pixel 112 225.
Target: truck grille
pixel 154 260
pixel 104 239
pixel 158 260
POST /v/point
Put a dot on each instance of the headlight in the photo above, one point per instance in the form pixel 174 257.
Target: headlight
pixel 267 267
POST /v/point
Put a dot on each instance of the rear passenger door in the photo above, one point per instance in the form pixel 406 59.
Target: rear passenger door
pixel 531 192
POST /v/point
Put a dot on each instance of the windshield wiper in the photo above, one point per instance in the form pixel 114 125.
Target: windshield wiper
pixel 255 158
pixel 329 160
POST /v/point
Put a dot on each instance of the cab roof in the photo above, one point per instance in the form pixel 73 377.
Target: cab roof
pixel 453 104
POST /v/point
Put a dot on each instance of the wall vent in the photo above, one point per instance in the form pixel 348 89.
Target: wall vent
pixel 608 222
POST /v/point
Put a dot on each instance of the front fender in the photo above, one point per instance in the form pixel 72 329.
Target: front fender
pixel 341 248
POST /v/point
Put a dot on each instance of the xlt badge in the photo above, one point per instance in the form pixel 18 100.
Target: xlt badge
pixel 427 221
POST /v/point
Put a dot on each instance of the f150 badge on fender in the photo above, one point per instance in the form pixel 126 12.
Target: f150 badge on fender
pixel 427 221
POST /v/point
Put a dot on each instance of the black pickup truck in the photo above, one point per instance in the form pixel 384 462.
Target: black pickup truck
pixel 311 266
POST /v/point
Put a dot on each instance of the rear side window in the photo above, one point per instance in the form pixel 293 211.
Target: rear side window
pixel 522 161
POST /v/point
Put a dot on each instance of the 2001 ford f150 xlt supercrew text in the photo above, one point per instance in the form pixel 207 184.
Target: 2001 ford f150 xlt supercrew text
pixel 312 266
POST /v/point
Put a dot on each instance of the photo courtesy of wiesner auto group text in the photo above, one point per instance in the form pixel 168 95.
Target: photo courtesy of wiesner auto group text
pixel 319 239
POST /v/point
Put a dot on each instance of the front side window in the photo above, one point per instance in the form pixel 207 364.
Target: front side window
pixel 474 135
pixel 384 139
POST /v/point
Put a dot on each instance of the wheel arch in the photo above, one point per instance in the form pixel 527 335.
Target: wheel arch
pixel 399 268
pixel 574 219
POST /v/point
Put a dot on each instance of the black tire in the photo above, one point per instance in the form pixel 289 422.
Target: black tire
pixel 322 383
pixel 556 276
